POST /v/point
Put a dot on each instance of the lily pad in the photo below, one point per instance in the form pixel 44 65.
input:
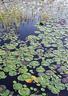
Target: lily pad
pixel 24 91
pixel 2 75
pixel 34 63
pixel 17 86
pixel 24 77
pixel 40 69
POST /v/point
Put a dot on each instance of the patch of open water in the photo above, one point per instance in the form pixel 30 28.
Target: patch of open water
pixel 27 28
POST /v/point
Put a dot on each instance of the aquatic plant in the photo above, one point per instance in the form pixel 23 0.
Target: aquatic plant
pixel 13 13
pixel 2 87
pixel 40 69
pixel 44 16
pixel 10 46
pixel 34 78
pixel 24 91
pixel 40 52
pixel 5 93
pixel 17 86
pixel 2 52
pixel 23 69
pixel 34 63
pixel 44 62
pixel 2 75
pixel 31 79
pixel 24 76
pixel 46 55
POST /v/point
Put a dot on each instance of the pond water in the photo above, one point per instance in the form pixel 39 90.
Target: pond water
pixel 27 28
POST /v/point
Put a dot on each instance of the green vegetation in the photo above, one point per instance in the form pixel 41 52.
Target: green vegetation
pixel 11 15
pixel 16 59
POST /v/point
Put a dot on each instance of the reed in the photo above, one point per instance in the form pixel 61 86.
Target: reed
pixel 11 15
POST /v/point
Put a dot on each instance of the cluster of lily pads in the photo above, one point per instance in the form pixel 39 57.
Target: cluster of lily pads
pixel 41 60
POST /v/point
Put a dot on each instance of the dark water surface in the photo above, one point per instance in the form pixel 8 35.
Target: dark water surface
pixel 27 28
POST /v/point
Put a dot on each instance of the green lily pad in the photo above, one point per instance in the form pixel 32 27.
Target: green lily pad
pixel 1 61
pixel 12 73
pixel 17 86
pixel 10 46
pixel 24 91
pixel 24 76
pixel 23 69
pixel 5 93
pixel 2 75
pixel 2 52
pixel 40 69
pixel 34 63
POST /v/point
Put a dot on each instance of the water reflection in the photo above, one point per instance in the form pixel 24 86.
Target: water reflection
pixel 27 28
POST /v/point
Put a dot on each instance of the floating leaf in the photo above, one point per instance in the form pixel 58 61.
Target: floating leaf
pixel 24 77
pixel 17 86
pixel 29 80
pixel 2 75
pixel 40 69
pixel 24 91
pixel 34 63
